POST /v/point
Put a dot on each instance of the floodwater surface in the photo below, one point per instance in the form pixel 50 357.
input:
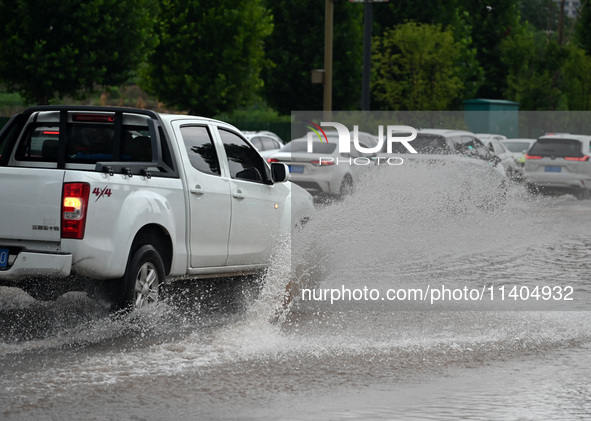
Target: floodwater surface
pixel 232 349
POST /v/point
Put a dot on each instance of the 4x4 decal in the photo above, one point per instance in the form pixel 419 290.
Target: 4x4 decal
pixel 106 191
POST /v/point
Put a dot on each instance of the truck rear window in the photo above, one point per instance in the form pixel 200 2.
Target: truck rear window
pixel 86 143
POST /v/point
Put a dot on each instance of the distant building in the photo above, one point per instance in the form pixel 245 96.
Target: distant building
pixel 571 8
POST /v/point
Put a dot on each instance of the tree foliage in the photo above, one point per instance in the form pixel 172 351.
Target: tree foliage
pixel 543 15
pixel 210 54
pixel 59 47
pixel 492 21
pixel 533 60
pixel 542 74
pixel 416 67
pixel 583 26
pixel 489 22
pixel 214 56
pixel 296 47
pixel 577 79
pixel 448 13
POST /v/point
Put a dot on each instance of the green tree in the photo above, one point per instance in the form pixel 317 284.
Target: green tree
pixel 492 21
pixel 445 12
pixel 543 15
pixel 577 79
pixel 62 47
pixel 417 67
pixel 296 47
pixel 489 22
pixel 469 70
pixel 583 26
pixel 210 54
pixel 534 61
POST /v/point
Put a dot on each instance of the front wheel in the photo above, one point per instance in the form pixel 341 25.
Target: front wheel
pixel 142 279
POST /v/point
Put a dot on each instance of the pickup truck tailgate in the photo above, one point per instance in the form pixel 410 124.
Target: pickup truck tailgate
pixel 30 203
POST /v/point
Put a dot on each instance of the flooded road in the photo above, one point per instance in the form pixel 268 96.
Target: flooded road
pixel 228 350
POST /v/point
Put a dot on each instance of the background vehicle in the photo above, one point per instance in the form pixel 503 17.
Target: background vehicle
pixel 267 143
pixel 506 158
pixel 433 143
pixel 127 198
pixel 463 153
pixel 518 147
pixel 559 163
pixel 326 171
pixel 491 136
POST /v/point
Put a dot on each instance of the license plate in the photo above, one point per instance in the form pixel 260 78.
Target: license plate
pixel 552 168
pixel 3 258
pixel 296 169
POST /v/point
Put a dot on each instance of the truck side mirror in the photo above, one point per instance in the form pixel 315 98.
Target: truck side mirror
pixel 280 172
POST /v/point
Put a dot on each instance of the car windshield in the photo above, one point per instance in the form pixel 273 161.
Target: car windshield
pixel 556 147
pixel 424 144
pixel 302 146
pixel 516 146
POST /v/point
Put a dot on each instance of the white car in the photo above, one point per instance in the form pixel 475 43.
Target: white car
pixel 458 148
pixel 325 171
pixel 560 163
pixel 518 147
pixel 432 143
pixel 506 158
pixel 267 143
pixel 487 136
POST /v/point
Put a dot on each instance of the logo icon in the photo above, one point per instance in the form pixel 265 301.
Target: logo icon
pixel 316 128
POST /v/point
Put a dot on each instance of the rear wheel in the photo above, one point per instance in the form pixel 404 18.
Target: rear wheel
pixel 141 282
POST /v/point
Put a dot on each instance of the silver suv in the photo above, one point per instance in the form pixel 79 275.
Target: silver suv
pixel 449 142
pixel 559 163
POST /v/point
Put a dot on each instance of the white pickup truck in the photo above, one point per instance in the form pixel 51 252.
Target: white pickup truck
pixel 128 198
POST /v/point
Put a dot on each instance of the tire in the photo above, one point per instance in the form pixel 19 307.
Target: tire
pixel 141 282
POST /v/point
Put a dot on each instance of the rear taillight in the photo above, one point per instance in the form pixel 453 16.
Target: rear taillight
pixel 322 162
pixel 581 158
pixel 74 207
pixel 271 160
pixel 532 157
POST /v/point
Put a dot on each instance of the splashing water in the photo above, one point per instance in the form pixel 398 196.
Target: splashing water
pixel 404 226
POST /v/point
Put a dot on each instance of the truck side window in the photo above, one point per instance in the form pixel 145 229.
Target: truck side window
pixel 200 148
pixel 243 160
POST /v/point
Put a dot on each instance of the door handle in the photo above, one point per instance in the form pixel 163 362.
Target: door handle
pixel 197 190
pixel 238 194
